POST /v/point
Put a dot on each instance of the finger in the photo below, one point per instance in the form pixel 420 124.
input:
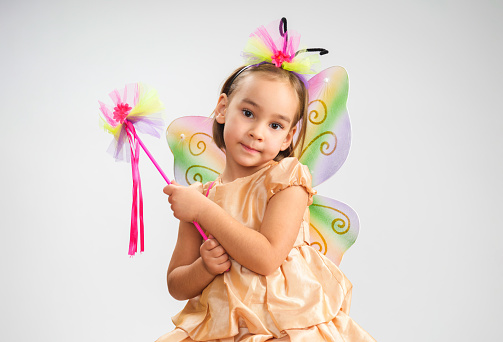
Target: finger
pixel 219 262
pixel 212 238
pixel 215 241
pixel 222 259
pixel 209 244
pixel 218 251
pixel 195 185
pixel 224 267
pixel 174 182
pixel 167 190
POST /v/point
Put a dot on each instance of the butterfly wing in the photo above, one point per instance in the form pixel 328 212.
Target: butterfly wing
pixel 334 227
pixel 328 130
pixel 197 158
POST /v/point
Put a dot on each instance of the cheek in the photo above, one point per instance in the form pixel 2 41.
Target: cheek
pixel 235 125
pixel 226 134
pixel 230 131
pixel 277 142
pixel 286 141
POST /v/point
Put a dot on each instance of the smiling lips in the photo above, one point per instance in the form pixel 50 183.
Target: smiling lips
pixel 249 149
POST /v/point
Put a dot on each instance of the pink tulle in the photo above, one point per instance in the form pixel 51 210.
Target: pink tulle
pixel 283 48
pixel 262 34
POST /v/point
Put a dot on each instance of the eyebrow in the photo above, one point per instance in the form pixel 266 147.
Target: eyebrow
pixel 279 116
pixel 251 102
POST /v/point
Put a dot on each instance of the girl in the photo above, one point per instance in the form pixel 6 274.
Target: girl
pixel 256 278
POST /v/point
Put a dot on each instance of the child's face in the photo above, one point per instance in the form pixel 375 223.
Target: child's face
pixel 258 120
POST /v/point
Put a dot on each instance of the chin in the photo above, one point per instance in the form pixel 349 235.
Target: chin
pixel 250 163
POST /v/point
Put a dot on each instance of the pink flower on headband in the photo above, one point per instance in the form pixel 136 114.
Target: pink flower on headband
pixel 279 46
pixel 279 57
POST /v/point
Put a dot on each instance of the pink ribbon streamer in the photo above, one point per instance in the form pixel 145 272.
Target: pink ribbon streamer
pixel 137 205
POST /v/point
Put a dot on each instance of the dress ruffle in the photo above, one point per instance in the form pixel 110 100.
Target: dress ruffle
pixel 306 299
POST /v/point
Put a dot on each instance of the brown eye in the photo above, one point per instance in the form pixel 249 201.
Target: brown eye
pixel 247 113
pixel 276 126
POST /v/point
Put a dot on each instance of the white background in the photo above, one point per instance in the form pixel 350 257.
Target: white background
pixel 424 173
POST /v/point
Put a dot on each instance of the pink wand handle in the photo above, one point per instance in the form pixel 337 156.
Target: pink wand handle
pixel 130 127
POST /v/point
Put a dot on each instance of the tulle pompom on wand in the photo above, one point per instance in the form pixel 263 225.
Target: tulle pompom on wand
pixel 136 108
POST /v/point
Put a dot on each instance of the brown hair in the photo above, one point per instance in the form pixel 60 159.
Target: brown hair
pixel 232 83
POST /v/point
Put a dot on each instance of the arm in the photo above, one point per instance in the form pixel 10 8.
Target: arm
pixel 262 252
pixel 193 266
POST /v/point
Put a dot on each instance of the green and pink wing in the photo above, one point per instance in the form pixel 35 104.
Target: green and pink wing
pixel 197 158
pixel 328 129
pixel 334 226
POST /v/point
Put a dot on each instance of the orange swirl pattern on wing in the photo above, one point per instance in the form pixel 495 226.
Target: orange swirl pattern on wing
pixel 316 118
pixel 312 117
pixel 201 145
pixel 197 177
pixel 325 147
pixel 339 221
pixel 322 249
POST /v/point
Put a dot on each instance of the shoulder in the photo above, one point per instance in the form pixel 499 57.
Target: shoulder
pixel 286 173
pixel 289 167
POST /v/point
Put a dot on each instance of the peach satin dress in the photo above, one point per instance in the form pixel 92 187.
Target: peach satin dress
pixel 306 299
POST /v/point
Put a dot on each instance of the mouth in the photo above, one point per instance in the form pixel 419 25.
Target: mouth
pixel 249 149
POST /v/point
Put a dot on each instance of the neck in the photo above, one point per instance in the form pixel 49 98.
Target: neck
pixel 233 171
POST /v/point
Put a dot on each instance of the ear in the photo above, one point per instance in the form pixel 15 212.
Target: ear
pixel 289 138
pixel 221 108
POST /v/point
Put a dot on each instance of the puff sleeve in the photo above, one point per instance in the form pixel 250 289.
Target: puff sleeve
pixel 289 172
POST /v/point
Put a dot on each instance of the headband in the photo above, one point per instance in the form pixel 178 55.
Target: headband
pixel 281 48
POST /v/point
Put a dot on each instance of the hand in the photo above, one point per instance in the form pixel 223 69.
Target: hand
pixel 185 201
pixel 214 256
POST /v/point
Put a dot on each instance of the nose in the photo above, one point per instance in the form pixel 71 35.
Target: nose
pixel 256 132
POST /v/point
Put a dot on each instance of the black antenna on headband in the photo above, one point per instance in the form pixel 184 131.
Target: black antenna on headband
pixel 283 30
pixel 320 50
pixel 282 27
